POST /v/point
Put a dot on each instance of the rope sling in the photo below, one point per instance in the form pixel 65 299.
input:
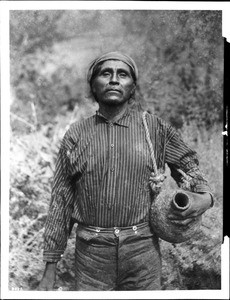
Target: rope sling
pixel 164 202
pixel 157 178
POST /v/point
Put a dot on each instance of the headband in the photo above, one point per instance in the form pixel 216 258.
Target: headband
pixel 112 56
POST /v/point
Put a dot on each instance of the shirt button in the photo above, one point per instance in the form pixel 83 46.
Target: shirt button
pixel 111 124
pixel 117 231
pixel 112 145
pixel 134 228
pixel 112 170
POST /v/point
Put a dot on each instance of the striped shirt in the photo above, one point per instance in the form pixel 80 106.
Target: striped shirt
pixel 102 174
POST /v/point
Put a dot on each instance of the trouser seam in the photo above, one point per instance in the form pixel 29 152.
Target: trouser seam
pixel 117 259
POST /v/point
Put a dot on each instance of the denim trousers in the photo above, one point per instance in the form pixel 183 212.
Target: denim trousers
pixel 119 258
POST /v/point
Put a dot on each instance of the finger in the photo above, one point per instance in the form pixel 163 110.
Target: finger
pixel 176 216
pixel 188 213
pixel 192 214
pixel 182 222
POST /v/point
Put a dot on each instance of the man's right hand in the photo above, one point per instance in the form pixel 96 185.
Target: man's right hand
pixel 48 279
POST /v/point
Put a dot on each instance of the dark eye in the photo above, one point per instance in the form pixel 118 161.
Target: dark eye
pixel 106 73
pixel 123 74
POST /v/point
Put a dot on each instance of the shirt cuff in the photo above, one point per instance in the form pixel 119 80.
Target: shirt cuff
pixel 52 256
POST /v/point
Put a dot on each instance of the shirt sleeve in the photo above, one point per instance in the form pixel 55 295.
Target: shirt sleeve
pixel 184 165
pixel 60 210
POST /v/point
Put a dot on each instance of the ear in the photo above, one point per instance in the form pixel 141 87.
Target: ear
pixel 92 88
pixel 133 89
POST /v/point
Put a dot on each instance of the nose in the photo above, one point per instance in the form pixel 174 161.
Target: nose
pixel 114 78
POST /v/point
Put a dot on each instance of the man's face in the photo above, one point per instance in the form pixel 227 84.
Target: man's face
pixel 114 84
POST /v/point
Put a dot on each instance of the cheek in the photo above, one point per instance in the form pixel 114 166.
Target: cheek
pixel 95 88
pixel 130 88
pixel 98 86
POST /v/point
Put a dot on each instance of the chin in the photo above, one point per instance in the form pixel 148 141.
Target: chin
pixel 112 102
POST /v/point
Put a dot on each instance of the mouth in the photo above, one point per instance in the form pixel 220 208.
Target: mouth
pixel 113 91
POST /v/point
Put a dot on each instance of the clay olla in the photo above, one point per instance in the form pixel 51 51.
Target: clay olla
pixel 162 225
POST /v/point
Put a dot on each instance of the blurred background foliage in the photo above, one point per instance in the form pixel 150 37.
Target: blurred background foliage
pixel 179 54
pixel 180 59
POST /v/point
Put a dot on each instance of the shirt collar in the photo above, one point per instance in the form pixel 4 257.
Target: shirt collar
pixel 123 121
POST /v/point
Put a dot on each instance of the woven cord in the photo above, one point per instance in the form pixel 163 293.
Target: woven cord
pixel 156 178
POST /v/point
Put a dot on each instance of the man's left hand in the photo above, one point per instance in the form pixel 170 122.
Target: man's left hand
pixel 199 204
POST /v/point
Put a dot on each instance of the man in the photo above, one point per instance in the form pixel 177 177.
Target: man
pixel 102 181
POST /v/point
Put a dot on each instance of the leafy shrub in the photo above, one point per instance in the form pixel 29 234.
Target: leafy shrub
pixel 44 88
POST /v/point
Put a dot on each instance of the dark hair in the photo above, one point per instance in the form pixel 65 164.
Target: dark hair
pixel 96 71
